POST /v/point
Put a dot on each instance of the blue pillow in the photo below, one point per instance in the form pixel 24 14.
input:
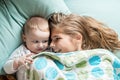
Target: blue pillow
pixel 13 14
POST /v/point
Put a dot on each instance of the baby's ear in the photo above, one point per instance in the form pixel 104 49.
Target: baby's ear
pixel 23 37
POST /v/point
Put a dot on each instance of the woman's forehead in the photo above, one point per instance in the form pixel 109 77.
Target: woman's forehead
pixel 55 32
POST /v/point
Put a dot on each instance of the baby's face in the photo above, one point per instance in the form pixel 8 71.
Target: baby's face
pixel 37 41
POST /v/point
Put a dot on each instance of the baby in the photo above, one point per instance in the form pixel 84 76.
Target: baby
pixel 35 37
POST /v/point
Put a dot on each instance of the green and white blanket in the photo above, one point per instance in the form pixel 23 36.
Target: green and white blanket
pixel 96 64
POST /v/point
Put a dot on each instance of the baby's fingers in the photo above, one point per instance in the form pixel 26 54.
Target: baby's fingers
pixel 29 60
pixel 26 65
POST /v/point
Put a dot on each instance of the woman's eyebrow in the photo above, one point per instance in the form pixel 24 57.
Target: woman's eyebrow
pixel 55 36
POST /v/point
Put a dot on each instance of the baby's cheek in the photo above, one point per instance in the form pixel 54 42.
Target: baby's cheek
pixel 46 45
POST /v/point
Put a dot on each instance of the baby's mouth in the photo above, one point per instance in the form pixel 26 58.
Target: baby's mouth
pixel 40 49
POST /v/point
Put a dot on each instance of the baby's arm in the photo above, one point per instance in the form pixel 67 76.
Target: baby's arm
pixel 8 66
pixel 17 58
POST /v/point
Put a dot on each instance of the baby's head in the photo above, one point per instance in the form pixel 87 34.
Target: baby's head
pixel 36 34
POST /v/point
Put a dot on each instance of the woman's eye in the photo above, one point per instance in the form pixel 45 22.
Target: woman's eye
pixel 56 39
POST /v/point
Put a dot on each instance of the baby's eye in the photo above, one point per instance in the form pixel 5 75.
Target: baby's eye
pixel 35 41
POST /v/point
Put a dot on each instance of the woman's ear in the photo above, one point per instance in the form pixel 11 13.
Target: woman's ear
pixel 78 37
pixel 78 41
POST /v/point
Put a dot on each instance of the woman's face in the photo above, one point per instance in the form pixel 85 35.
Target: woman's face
pixel 62 42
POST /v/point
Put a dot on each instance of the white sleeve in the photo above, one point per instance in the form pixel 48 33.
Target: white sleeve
pixel 8 66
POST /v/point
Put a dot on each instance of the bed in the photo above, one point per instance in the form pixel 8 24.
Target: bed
pixel 13 14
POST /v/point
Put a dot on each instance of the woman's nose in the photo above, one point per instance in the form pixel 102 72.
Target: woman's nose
pixel 52 44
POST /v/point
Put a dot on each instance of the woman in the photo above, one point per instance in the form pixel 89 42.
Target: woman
pixel 73 32
pixel 86 35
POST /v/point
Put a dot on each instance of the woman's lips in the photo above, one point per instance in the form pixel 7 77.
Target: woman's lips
pixel 58 50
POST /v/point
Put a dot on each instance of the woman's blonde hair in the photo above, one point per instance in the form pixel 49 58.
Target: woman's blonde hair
pixel 95 34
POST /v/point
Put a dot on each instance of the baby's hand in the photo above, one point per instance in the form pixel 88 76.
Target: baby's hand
pixel 24 60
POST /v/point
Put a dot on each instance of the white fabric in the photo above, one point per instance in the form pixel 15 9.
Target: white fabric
pixel 8 67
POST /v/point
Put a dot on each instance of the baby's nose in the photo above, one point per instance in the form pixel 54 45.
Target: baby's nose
pixel 40 45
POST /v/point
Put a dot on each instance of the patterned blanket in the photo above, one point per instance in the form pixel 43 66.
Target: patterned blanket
pixel 96 64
